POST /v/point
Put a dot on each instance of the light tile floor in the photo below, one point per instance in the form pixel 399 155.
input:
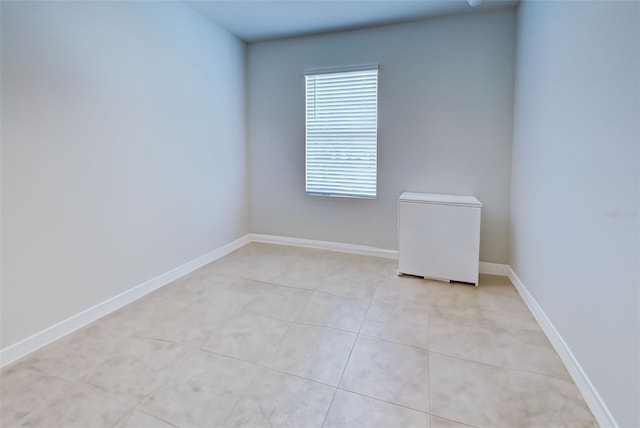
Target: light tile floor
pixel 288 337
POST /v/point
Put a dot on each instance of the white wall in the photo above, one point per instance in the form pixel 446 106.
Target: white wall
pixel 445 125
pixel 123 151
pixel 575 184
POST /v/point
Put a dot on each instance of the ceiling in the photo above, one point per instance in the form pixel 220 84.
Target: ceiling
pixel 255 20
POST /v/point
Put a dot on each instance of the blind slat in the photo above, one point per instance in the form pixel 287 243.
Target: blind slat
pixel 341 133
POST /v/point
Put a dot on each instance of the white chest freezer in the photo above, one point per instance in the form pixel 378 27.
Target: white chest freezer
pixel 439 236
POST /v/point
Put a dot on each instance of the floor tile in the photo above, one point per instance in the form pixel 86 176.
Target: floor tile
pixel 379 266
pixel 203 391
pixel 468 338
pixel 136 369
pixel 531 351
pixel 454 299
pixel 209 306
pixel 403 323
pixel 74 355
pixel 334 311
pixel 485 342
pixel 239 291
pixel 358 279
pixel 481 395
pixel 142 314
pixel 316 353
pixel 22 390
pixel 472 393
pixel 496 284
pixel 493 300
pixel 389 372
pixel 261 262
pixel 138 419
pixel 503 303
pixel 549 402
pixel 437 422
pixel 401 289
pixel 190 327
pixel 284 303
pixel 522 320
pixel 247 336
pixel 431 353
pixel 79 406
pixel 353 410
pixel 281 400
pixel 354 288
pixel 306 268
pixel 217 292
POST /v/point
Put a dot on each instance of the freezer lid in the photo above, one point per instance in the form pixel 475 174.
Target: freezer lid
pixel 440 199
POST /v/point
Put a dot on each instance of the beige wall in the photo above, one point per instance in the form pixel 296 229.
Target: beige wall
pixel 575 184
pixel 445 125
pixel 123 151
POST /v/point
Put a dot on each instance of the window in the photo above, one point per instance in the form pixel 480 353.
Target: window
pixel 342 131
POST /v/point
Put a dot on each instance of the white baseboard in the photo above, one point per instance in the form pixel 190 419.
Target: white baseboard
pixel 485 267
pixel 494 268
pixel 591 397
pixel 55 332
pixel 325 245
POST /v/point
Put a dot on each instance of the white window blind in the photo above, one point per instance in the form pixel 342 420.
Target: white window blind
pixel 342 131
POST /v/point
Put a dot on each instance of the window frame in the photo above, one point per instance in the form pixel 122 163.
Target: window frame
pixel 337 192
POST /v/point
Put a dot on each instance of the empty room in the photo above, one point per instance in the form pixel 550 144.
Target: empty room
pixel 327 214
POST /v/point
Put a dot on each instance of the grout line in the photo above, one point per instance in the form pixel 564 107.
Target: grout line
pixel 156 417
pixel 80 382
pixel 261 365
pixel 137 408
pixel 277 347
pixel 266 367
pixel 122 418
pixel 454 421
pixel 293 287
pixel 346 364
pixel 360 299
pixel 386 401
pixel 417 348
pixel 262 281
pixel 242 396
pixel 49 399
pixel 310 324
pixel 298 376
pixel 326 414
pixel 231 357
pixel 477 290
pixel 500 367
pixel 325 326
pixel 428 330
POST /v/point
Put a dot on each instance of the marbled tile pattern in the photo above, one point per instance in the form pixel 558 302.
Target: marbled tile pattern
pixel 283 336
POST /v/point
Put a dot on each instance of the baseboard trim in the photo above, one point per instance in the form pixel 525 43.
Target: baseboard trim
pixel 485 267
pixel 26 346
pixel 494 268
pixel 325 245
pixel 591 396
